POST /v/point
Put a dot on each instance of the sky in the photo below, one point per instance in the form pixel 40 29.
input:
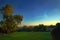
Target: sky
pixel 36 12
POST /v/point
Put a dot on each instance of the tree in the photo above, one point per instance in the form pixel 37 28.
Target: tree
pixel 10 22
pixel 41 27
pixel 24 28
pixel 7 11
pixel 18 18
pixel 35 28
pixel 56 32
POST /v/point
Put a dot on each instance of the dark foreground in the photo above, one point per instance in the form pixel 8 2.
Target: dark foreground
pixel 28 36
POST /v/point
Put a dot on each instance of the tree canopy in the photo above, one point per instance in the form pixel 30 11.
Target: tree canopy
pixel 9 21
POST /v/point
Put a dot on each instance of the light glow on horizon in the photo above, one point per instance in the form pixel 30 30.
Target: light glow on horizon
pixel 44 23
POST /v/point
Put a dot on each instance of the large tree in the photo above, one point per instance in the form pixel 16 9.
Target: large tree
pixel 9 23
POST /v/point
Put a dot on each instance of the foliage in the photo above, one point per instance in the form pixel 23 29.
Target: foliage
pixel 38 28
pixel 10 21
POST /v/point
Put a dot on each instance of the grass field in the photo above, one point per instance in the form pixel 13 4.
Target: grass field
pixel 28 36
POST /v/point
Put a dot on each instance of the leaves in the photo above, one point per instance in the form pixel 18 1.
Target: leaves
pixel 7 10
pixel 18 18
pixel 9 24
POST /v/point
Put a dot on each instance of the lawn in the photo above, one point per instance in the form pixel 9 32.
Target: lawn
pixel 28 36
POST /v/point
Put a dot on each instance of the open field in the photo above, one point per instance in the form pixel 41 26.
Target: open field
pixel 28 36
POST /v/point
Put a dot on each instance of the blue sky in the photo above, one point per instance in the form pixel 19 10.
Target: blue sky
pixel 36 11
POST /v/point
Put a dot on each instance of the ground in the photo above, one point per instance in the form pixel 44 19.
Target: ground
pixel 28 36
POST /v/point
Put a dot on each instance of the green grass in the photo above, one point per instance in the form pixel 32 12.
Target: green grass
pixel 28 36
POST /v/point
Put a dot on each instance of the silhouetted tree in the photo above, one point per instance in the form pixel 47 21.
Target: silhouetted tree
pixel 36 28
pixel 56 32
pixel 10 22
pixel 24 28
pixel 41 27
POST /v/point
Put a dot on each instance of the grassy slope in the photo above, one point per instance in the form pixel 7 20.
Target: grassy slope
pixel 28 36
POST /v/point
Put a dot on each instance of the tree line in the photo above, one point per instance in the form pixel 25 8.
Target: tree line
pixel 38 28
